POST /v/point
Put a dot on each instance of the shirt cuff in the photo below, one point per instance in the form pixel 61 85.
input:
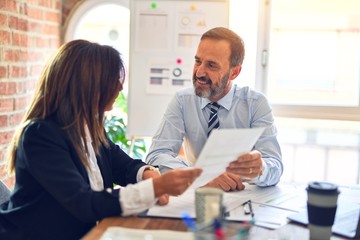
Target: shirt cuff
pixel 136 198
pixel 263 175
pixel 140 173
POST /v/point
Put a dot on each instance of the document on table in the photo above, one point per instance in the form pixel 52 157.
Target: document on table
pixel 185 203
pixel 271 205
pixel 222 147
pixel 121 233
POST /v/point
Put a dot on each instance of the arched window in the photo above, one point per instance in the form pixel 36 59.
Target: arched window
pixel 106 22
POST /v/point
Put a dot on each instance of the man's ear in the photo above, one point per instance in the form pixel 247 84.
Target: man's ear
pixel 235 71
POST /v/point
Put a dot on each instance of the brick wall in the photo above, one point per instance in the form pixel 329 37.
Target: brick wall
pixel 30 32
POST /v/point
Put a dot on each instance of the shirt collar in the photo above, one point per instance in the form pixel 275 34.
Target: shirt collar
pixel 225 102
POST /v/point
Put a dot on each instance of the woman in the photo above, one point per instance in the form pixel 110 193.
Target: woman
pixel 64 164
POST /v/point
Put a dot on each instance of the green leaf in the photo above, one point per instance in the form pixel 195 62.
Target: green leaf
pixel 115 128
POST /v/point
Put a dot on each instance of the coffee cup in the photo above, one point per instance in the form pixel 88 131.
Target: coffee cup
pixel 208 204
pixel 321 208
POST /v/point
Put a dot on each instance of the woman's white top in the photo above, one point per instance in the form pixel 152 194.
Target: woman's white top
pixel 135 198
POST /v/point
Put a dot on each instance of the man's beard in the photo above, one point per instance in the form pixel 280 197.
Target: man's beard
pixel 214 90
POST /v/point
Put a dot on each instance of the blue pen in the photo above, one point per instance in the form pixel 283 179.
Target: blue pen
pixel 190 223
pixel 218 230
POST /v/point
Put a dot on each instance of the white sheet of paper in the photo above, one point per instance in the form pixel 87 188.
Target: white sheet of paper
pixel 121 233
pixel 269 205
pixel 222 147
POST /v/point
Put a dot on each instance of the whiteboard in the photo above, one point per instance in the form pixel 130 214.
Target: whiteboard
pixel 164 36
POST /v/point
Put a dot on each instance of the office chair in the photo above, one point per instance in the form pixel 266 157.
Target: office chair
pixel 4 192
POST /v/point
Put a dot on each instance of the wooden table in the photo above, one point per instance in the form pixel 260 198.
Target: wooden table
pixel 289 231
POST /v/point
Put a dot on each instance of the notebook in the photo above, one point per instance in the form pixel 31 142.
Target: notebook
pixel 347 220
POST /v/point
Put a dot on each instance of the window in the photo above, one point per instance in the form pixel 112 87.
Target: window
pixel 309 67
pixel 106 22
pixel 312 61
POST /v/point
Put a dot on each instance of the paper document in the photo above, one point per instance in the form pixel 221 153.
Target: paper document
pixel 222 147
pixel 270 205
pixel 185 203
pixel 120 233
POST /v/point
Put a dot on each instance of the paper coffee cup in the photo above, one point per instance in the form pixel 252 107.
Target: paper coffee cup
pixel 321 207
pixel 208 204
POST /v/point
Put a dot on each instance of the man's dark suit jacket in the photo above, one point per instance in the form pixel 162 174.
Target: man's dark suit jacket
pixel 52 198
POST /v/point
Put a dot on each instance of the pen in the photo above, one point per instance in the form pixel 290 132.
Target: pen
pixel 218 231
pixel 250 210
pixel 190 223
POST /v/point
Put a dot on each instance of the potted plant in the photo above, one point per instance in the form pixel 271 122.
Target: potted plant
pixel 115 126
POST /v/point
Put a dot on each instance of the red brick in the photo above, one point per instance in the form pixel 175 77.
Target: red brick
pixel 7 88
pixel 5 137
pixel 23 56
pixel 19 88
pixel 17 71
pixel 51 30
pixel 52 17
pixel 58 5
pixel 22 8
pixel 4 121
pixel 35 27
pixel 6 104
pixel 20 39
pixel 36 70
pixel 8 5
pixel 47 3
pixel 34 56
pixel 15 119
pixel 25 47
pixel 42 3
pixel 30 84
pixel 21 102
pixel 55 43
pixel 3 173
pixel 39 42
pixel 18 23
pixel 3 20
pixel 3 72
pixel 5 37
pixel 35 13
pixel 11 55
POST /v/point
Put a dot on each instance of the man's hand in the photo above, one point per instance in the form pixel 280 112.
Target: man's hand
pixel 248 165
pixel 227 182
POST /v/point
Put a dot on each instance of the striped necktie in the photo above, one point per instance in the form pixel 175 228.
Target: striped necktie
pixel 213 120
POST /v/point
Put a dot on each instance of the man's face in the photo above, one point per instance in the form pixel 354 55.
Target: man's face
pixel 212 69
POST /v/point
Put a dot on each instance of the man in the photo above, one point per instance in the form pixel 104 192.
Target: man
pixel 218 62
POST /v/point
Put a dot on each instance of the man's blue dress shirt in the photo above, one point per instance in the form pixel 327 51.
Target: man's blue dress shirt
pixel 186 121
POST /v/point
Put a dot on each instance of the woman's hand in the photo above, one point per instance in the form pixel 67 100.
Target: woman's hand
pixel 154 173
pixel 174 183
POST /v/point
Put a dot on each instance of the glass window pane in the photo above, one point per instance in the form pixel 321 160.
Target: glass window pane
pixel 314 53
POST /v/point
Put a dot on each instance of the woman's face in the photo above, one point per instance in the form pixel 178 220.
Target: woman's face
pixel 110 105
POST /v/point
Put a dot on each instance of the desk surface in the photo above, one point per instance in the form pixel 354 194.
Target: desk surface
pixel 289 231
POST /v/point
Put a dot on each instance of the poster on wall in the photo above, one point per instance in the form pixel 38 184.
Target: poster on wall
pixel 164 36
